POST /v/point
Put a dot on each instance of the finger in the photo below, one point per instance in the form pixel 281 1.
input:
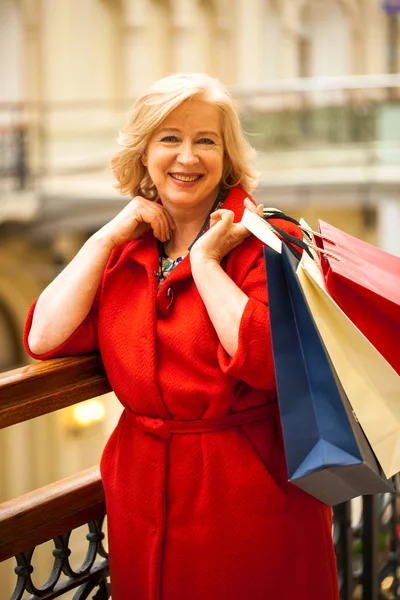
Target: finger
pixel 156 231
pixel 167 227
pixel 218 213
pixel 159 229
pixel 224 218
pixel 171 224
pixel 164 226
pixel 241 231
pixel 224 214
pixel 256 209
pixel 228 217
pixel 159 223
pixel 214 218
pixel 165 218
pixel 248 203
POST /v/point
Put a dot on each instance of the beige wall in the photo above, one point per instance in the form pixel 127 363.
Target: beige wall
pixel 106 49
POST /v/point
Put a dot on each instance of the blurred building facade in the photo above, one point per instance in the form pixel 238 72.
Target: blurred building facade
pixel 317 87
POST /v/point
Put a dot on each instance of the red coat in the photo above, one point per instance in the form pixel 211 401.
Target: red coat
pixel 199 507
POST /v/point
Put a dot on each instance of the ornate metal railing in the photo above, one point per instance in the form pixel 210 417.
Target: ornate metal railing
pixel 54 511
pixel 367 547
pixel 51 513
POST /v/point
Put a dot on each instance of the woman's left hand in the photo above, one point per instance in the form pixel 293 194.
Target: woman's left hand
pixel 223 236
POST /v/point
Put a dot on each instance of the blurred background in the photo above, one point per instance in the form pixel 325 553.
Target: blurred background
pixel 317 86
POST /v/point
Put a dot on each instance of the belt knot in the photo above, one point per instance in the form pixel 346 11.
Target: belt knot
pixel 156 427
pixel 164 428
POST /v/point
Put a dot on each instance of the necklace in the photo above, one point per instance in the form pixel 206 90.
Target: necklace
pixel 166 264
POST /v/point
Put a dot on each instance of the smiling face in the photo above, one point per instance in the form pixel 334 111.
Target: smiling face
pixel 185 155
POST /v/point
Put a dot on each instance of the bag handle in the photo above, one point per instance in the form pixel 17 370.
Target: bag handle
pixel 266 232
pixel 269 213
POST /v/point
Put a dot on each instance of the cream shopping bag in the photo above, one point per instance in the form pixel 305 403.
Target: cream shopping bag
pixel 371 384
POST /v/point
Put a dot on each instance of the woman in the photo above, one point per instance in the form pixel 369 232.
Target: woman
pixel 172 291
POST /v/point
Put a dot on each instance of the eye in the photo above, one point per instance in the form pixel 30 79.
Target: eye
pixel 170 138
pixel 206 141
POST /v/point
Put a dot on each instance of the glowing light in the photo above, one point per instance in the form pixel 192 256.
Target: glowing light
pixel 386 583
pixel 87 413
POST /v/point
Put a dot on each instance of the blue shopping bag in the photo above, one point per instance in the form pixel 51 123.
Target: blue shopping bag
pixel 327 453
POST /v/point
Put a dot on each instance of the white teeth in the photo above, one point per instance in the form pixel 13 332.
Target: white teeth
pixel 185 177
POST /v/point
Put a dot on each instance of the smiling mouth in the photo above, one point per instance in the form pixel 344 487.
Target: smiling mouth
pixel 185 177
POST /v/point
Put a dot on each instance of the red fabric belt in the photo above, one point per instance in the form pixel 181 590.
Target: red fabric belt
pixel 164 428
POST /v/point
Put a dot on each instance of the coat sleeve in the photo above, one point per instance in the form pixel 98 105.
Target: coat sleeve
pixel 82 341
pixel 85 338
pixel 253 361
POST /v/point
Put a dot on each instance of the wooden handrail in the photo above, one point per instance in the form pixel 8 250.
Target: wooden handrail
pixel 43 514
pixel 50 511
pixel 44 387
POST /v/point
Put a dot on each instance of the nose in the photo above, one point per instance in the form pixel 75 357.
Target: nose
pixel 187 154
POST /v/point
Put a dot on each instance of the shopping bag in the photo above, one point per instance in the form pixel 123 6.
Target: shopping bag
pixel 326 451
pixel 370 383
pixel 365 282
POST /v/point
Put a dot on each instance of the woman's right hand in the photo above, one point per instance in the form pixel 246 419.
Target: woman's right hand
pixel 138 217
pixel 67 300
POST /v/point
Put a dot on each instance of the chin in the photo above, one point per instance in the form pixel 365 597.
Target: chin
pixel 192 195
pixel 186 196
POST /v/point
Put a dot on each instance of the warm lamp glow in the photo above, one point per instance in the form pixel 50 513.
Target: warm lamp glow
pixel 87 413
pixel 387 583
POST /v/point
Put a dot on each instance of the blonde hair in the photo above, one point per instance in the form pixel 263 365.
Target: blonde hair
pixel 149 111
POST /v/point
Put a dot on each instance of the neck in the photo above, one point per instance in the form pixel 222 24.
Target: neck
pixel 180 241
pixel 188 223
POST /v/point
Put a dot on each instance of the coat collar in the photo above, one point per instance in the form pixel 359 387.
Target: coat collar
pixel 234 202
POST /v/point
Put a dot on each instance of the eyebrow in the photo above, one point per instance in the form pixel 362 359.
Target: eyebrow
pixel 176 130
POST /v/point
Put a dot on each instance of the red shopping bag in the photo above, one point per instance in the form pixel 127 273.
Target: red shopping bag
pixel 365 283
